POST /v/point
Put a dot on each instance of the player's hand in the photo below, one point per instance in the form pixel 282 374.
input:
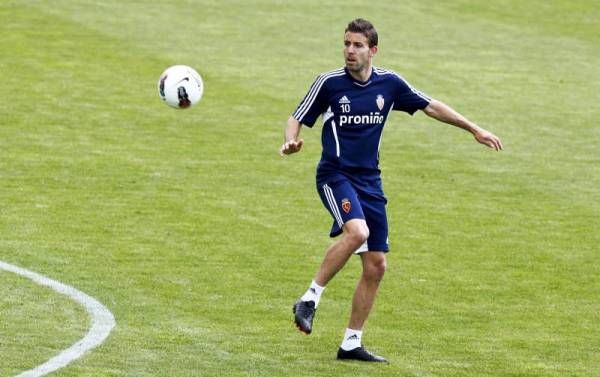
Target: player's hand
pixel 489 139
pixel 291 146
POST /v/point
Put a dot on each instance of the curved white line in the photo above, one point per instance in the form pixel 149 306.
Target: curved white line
pixel 102 322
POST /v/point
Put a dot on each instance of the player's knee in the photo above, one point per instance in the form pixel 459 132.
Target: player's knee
pixel 356 233
pixel 363 235
pixel 359 236
pixel 376 269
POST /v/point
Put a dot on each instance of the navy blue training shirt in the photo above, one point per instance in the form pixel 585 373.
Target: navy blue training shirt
pixel 354 114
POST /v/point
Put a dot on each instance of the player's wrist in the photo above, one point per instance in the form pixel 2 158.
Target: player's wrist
pixel 474 129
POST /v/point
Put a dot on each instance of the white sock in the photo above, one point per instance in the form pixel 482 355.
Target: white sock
pixel 313 293
pixel 352 339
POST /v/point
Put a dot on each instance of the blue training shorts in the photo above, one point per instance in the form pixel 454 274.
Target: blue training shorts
pixel 348 198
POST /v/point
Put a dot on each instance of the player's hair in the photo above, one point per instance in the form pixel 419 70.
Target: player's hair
pixel 363 26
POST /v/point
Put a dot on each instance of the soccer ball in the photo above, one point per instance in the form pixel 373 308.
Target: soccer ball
pixel 180 86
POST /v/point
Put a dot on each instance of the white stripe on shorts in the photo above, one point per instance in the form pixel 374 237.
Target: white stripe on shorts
pixel 332 204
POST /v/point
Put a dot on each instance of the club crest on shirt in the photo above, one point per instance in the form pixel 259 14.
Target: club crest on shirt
pixel 346 205
pixel 380 102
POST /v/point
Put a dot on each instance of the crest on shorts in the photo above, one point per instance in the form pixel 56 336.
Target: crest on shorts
pixel 380 101
pixel 346 205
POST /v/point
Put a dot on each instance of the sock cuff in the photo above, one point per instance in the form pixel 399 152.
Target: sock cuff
pixel 352 339
pixel 350 332
pixel 318 289
pixel 313 293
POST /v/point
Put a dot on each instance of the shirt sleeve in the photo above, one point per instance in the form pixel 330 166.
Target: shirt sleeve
pixel 313 104
pixel 409 99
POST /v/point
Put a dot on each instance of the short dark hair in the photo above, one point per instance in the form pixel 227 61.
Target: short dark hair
pixel 363 26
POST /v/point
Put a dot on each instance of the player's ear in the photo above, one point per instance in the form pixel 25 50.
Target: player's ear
pixel 373 50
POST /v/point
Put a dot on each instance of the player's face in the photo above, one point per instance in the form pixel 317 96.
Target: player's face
pixel 357 53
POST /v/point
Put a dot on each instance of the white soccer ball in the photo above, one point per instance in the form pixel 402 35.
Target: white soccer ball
pixel 180 86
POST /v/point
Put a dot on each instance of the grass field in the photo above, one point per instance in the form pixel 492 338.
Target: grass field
pixel 198 237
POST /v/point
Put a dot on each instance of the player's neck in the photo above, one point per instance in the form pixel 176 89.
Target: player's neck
pixel 363 75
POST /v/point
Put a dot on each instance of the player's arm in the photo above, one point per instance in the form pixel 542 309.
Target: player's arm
pixel 444 113
pixel 291 143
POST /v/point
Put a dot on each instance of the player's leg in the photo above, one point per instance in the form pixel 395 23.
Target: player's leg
pixel 355 234
pixel 341 200
pixel 374 265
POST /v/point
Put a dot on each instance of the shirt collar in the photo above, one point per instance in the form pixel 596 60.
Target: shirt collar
pixel 361 83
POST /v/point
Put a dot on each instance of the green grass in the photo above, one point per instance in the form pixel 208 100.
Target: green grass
pixel 24 317
pixel 192 230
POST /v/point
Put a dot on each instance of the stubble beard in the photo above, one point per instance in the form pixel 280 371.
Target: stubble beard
pixel 355 68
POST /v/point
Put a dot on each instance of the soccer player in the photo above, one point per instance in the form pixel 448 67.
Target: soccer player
pixel 354 103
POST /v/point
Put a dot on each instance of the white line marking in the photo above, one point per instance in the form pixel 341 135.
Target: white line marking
pixel 102 322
